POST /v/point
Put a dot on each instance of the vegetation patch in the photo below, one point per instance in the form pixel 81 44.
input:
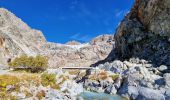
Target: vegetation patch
pixel 99 76
pixel 114 77
pixel 40 95
pixel 29 63
pixel 74 72
pixel 6 80
pixel 48 79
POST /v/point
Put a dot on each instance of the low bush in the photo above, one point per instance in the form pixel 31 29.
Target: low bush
pixel 48 79
pixel 33 64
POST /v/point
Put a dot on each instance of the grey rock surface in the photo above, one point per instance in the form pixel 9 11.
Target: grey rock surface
pixel 17 38
pixel 144 32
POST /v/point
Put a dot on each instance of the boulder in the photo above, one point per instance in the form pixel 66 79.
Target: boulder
pixel 149 94
pixel 162 68
pixel 111 90
pixel 141 93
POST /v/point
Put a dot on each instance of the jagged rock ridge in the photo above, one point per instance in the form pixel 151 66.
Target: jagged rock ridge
pixel 73 43
pixel 79 55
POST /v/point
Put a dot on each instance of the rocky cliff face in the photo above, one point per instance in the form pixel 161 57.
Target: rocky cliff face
pixel 78 55
pixel 145 32
pixel 17 38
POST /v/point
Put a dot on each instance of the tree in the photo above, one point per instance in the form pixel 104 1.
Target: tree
pixel 33 64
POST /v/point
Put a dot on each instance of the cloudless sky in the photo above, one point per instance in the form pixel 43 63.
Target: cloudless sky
pixel 65 20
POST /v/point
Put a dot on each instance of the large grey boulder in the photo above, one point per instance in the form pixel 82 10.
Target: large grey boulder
pixel 149 94
pixel 116 66
pixel 162 68
pixel 141 93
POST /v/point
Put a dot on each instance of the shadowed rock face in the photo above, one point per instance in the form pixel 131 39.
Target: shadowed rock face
pixel 145 32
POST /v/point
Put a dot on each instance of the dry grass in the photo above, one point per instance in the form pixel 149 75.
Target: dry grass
pixel 64 78
pixel 99 76
pixel 114 77
pixel 16 80
pixel 103 76
pixel 6 80
pixel 31 78
pixel 74 72
pixel 40 95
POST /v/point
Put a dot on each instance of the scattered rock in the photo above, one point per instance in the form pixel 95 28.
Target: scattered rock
pixel 167 79
pixel 111 90
pixel 72 88
pixel 162 68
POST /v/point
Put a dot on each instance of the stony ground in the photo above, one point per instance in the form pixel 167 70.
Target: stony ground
pixel 134 79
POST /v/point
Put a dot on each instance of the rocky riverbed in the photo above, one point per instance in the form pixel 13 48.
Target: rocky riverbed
pixel 135 79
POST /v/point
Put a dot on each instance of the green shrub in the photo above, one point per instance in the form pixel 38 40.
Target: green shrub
pixel 33 64
pixel 48 79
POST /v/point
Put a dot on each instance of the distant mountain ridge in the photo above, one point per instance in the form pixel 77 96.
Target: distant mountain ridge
pixel 78 55
pixel 17 38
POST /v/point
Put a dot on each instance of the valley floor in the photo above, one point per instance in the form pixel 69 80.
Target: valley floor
pixel 134 79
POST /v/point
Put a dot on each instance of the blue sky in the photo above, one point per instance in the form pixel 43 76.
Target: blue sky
pixel 65 20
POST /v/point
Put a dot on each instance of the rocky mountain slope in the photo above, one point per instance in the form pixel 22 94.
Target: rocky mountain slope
pixel 18 38
pixel 78 55
pixel 145 32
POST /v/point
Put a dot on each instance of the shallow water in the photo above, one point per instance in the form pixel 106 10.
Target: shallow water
pixel 99 96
